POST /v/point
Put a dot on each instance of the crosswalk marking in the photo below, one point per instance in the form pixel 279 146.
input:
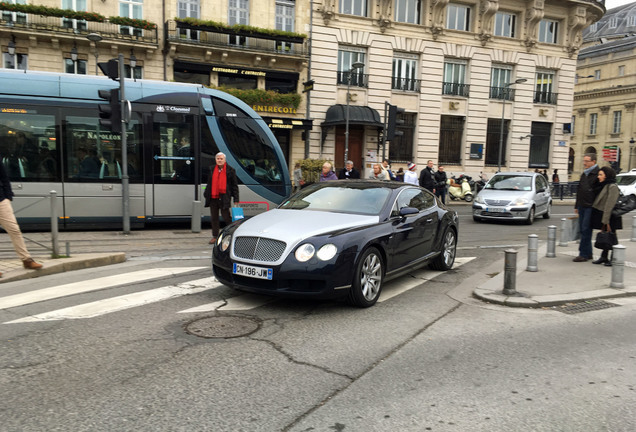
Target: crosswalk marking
pixel 93 285
pixel 115 304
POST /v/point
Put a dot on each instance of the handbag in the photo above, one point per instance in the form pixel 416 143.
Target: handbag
pixel 237 213
pixel 625 204
pixel 605 240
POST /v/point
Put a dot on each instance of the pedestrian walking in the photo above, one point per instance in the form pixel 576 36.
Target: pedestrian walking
pixel 586 194
pixel 410 176
pixel 602 217
pixel 440 183
pixel 10 224
pixel 427 180
pixel 222 187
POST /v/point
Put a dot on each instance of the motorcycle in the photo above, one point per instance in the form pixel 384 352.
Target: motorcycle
pixel 481 183
pixel 459 188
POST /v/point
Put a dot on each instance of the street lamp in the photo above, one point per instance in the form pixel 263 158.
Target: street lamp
pixel 355 66
pixel 95 37
pixel 11 46
pixel 503 112
pixel 631 150
pixel 133 63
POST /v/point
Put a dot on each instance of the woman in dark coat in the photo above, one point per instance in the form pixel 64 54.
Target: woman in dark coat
pixel 222 187
pixel 605 201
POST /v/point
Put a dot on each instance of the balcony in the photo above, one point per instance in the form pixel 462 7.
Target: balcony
pixel 406 84
pixel 502 93
pixel 178 32
pixel 32 24
pixel 358 79
pixel 455 89
pixel 542 97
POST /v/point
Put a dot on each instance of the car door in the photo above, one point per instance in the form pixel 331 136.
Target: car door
pixel 542 194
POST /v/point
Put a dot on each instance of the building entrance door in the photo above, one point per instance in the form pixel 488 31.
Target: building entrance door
pixel 356 146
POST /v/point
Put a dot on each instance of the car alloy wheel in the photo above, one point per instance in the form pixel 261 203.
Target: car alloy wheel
pixel 548 212
pixel 367 282
pixel 530 219
pixel 446 258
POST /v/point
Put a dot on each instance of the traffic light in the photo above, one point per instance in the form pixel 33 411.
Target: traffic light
pixel 393 121
pixel 110 68
pixel 110 113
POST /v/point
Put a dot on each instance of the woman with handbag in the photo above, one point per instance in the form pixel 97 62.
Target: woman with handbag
pixel 602 217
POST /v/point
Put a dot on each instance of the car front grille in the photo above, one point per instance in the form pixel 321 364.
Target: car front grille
pixel 258 248
pixel 492 202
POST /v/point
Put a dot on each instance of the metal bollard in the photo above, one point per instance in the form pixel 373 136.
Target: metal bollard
pixel 533 253
pixel 633 229
pixel 68 249
pixel 196 217
pixel 565 232
pixel 618 266
pixel 510 272
pixel 54 226
pixel 551 253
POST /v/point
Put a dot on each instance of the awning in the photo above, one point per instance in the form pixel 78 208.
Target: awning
pixel 288 123
pixel 358 115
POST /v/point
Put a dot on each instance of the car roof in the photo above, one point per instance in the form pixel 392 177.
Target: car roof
pixel 518 173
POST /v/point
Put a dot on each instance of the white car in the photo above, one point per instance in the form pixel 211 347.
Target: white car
pixel 627 182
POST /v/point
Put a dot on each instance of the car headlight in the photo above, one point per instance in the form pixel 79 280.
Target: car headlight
pixel 305 252
pixel 327 252
pixel 521 201
pixel 225 242
pixel 480 200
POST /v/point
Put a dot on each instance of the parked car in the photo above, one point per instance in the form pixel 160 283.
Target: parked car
pixel 626 182
pixel 513 196
pixel 341 238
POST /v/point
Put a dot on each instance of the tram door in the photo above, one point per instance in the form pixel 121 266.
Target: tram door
pixel 174 146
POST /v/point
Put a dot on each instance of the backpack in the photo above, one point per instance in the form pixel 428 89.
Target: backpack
pixel 624 204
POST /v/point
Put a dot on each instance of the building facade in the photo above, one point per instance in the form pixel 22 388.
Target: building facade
pixel 604 120
pixel 484 84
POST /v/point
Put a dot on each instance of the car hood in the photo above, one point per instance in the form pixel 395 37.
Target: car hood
pixel 294 225
pixel 501 195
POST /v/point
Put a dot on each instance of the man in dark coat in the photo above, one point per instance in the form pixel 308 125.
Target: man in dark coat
pixel 440 183
pixel 348 172
pixel 427 179
pixel 585 195
pixel 222 187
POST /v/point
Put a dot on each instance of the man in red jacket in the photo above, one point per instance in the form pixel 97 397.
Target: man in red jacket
pixel 222 187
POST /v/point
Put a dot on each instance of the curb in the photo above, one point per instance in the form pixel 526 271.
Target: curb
pixel 520 301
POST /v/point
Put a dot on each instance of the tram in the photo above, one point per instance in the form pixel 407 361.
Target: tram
pixel 51 140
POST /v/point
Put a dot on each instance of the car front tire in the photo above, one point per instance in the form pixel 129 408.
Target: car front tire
pixel 548 212
pixel 445 260
pixel 531 215
pixel 367 279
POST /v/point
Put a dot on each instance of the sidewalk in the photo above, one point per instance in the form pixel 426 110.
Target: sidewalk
pixel 559 280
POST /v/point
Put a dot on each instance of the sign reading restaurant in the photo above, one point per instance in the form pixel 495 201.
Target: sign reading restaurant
pixel 237 71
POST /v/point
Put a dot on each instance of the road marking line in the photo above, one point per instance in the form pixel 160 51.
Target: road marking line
pixel 119 303
pixel 87 286
pixel 237 303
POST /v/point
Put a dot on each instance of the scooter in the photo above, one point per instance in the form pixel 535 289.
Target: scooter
pixel 459 188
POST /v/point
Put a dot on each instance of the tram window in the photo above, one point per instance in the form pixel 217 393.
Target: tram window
pixel 28 144
pixel 248 143
pixel 209 149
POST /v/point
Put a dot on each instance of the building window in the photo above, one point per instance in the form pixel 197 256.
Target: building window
pixel 131 9
pixel 245 82
pixel 75 5
pixel 540 145
pixel 401 149
pixel 493 138
pixel 543 88
pixel 188 9
pixel 408 11
pixel 138 72
pixel 597 74
pixel 617 122
pixel 631 21
pixel 281 85
pixel 458 17
pixel 455 78
pixel 15 61
pixel 405 74
pixel 500 76
pixel 353 7
pixel 238 13
pixel 285 17
pixel 548 31
pixel 573 125
pixel 612 22
pixel 15 17
pixel 77 67
pixel 505 24
pixel 346 58
pixel 450 140
pixel 621 70
pixel 593 122
pixel 593 27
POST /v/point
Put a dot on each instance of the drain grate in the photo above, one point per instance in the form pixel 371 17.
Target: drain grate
pixel 585 306
pixel 223 327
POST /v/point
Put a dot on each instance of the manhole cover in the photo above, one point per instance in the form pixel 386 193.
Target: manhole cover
pixel 586 306
pixel 223 327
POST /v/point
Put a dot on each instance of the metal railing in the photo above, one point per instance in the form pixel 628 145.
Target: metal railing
pixel 455 89
pixel 358 79
pixel 406 84
pixel 545 97
pixel 54 249
pixel 564 190
pixel 502 93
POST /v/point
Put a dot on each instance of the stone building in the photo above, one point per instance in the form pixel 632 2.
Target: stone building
pixel 603 120
pixel 451 66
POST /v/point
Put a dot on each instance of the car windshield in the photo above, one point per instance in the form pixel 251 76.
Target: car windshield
pixel 344 198
pixel 625 180
pixel 510 182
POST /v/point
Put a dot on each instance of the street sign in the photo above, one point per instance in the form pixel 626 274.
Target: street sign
pixel 611 153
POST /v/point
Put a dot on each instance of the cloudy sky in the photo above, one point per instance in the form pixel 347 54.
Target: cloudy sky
pixel 610 4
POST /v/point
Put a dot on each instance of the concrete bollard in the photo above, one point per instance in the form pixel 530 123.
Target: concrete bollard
pixel 196 217
pixel 68 249
pixel 618 266
pixel 551 252
pixel 565 232
pixel 633 229
pixel 533 253
pixel 510 273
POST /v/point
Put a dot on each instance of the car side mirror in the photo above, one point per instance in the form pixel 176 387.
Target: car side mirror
pixel 406 211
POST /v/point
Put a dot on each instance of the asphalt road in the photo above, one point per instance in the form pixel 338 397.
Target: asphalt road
pixel 429 358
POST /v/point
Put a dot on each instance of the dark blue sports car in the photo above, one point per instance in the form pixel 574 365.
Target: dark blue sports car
pixel 337 239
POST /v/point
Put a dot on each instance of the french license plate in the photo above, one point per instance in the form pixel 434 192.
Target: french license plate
pixel 495 209
pixel 253 272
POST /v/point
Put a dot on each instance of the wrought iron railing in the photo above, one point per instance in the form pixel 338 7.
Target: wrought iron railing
pixel 358 79
pixel 455 89
pixel 405 84
pixel 545 97
pixel 502 93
